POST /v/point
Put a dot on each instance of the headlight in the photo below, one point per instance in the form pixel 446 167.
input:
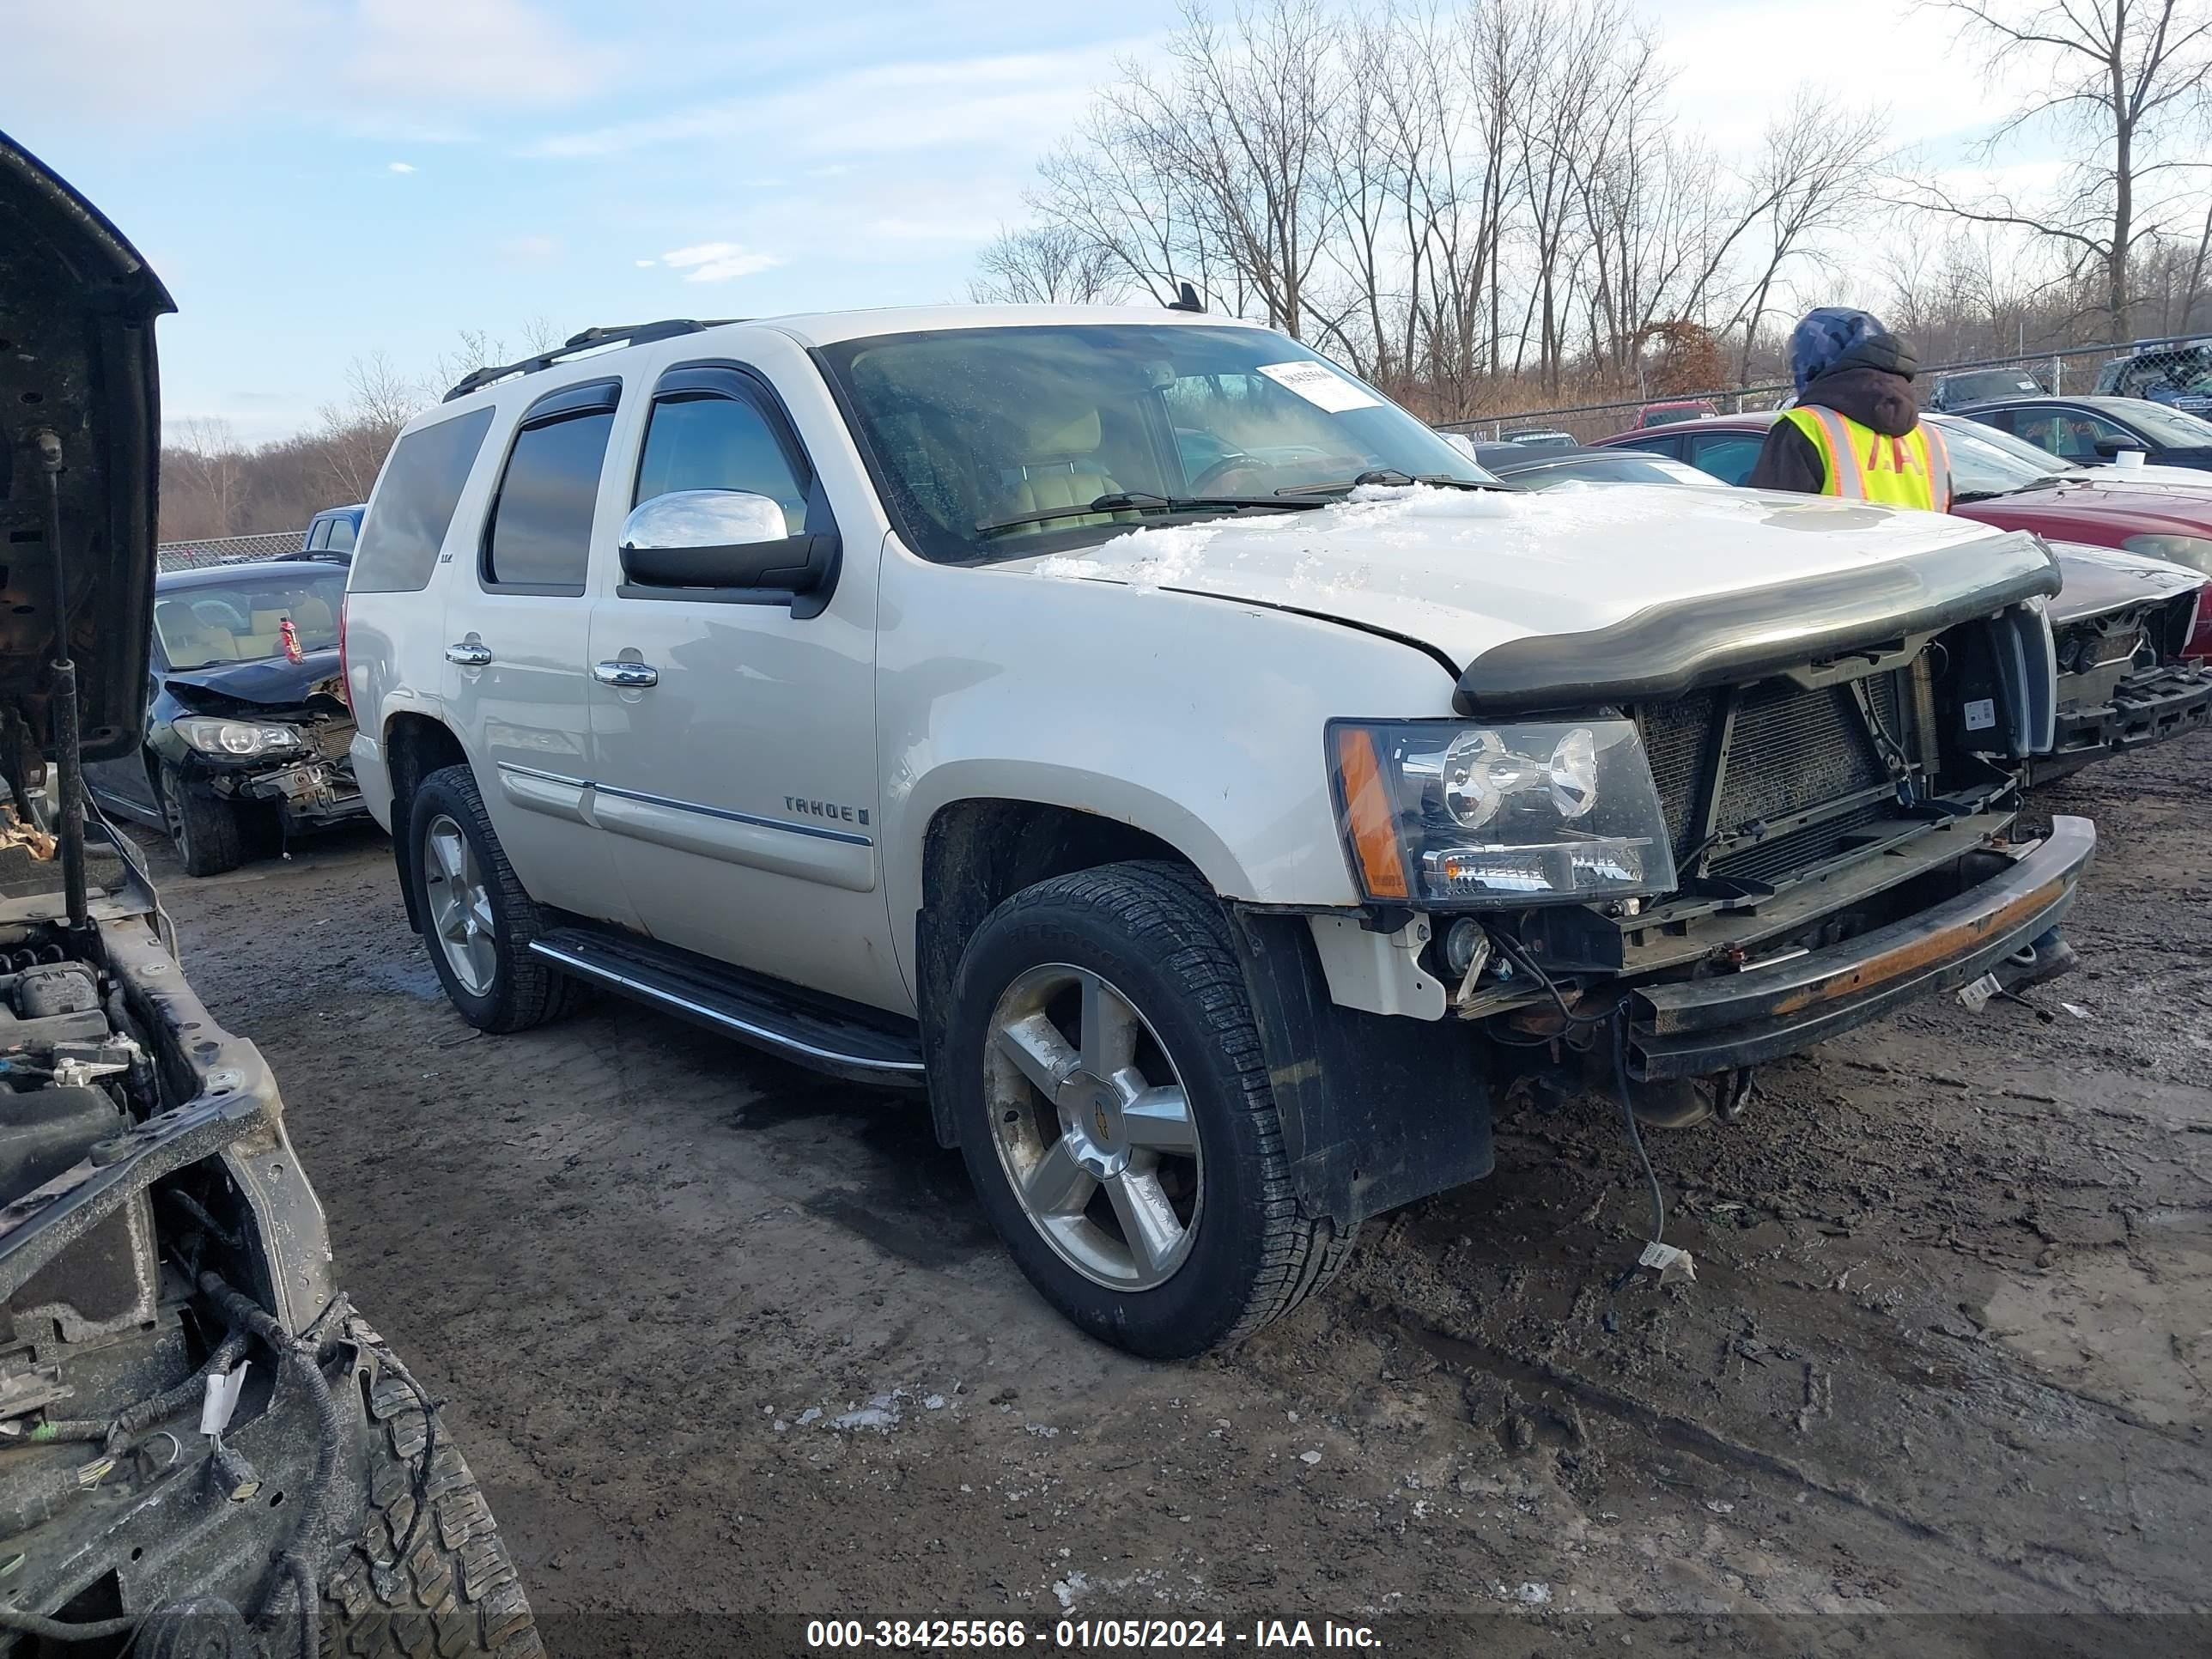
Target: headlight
pixel 1440 813
pixel 238 739
pixel 2195 552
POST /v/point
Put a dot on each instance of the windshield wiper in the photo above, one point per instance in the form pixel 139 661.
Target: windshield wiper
pixel 1144 500
pixel 1384 475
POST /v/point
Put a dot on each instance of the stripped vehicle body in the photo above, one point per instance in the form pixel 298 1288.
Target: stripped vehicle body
pixel 204 1447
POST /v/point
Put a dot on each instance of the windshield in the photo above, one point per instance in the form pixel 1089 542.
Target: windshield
pixel 1982 466
pixel 2173 428
pixel 2004 442
pixel 975 432
pixel 243 621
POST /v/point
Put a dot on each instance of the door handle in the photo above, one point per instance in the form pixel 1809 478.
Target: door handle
pixel 628 675
pixel 468 653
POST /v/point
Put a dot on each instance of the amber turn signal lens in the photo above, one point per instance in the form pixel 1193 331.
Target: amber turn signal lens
pixel 1369 813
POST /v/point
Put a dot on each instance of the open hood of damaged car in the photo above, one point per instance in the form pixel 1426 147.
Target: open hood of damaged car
pixel 1610 591
pixel 77 305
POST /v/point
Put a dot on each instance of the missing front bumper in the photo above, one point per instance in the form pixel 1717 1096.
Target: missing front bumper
pixel 1693 1028
pixel 2146 708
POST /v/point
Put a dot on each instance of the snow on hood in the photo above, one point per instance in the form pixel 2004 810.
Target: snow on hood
pixel 1464 570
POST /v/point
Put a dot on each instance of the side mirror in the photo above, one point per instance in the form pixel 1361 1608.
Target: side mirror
pixel 2112 448
pixel 721 539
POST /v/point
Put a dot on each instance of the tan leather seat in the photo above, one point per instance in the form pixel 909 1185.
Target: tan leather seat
pixel 1060 468
pixel 189 638
pixel 315 623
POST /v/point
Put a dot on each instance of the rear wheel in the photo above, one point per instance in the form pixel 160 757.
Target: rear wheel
pixel 204 830
pixel 1116 1117
pixel 476 919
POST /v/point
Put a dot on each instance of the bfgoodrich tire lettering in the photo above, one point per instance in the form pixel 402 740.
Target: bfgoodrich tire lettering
pixel 1154 935
pixel 481 948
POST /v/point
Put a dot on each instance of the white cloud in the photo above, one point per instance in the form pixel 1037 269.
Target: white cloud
pixel 501 51
pixel 718 262
pixel 1017 100
pixel 645 265
pixel 400 167
pixel 140 62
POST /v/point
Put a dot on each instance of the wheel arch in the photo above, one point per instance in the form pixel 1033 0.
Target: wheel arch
pixel 975 852
pixel 415 746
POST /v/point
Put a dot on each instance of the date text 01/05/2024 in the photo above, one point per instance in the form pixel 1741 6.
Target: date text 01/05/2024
pixel 832 1634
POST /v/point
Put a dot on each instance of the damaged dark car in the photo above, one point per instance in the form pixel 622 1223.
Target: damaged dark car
pixel 246 734
pixel 205 1448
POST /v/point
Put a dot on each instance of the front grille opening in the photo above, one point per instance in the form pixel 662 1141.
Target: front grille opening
pixel 1792 751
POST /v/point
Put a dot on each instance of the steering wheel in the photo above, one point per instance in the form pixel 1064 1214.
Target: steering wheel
pixel 1208 482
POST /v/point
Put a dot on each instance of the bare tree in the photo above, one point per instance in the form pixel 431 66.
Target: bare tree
pixel 2132 79
pixel 1813 175
pixel 213 464
pixel 1044 264
pixel 356 435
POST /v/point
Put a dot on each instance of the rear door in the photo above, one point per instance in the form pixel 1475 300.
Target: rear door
pixel 519 629
pixel 733 732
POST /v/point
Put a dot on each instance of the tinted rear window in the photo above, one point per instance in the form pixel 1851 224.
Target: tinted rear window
pixel 415 502
pixel 541 528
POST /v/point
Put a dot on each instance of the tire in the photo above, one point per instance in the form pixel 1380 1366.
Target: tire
pixel 1152 937
pixel 204 830
pixel 429 1579
pixel 493 978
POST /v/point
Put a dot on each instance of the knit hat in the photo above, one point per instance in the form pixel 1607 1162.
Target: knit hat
pixel 1832 337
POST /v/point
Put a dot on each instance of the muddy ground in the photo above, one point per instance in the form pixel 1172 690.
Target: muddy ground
pixel 1947 1351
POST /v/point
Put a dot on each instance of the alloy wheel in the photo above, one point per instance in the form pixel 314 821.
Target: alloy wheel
pixel 1093 1126
pixel 460 905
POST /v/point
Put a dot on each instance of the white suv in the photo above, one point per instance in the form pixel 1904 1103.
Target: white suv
pixel 1197 773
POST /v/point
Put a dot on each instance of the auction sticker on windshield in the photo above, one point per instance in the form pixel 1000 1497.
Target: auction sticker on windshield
pixel 1320 385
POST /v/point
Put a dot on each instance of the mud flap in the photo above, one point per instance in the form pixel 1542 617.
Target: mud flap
pixel 1378 1110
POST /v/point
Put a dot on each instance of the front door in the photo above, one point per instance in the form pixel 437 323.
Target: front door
pixel 734 740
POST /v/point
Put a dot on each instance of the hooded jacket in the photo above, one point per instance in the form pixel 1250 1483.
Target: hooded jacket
pixel 1872 396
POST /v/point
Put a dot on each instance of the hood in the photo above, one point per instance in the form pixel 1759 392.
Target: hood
pixel 2148 477
pixel 1463 572
pixel 2101 579
pixel 2096 512
pixel 77 381
pixel 273 683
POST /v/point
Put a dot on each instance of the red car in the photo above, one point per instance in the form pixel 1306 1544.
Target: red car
pixel 2126 654
pixel 1671 413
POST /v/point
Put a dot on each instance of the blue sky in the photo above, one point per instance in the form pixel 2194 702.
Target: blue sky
pixel 319 179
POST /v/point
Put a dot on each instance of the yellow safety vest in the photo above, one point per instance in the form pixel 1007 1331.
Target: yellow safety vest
pixel 1914 470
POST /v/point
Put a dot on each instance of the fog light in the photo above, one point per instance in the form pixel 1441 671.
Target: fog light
pixel 1461 942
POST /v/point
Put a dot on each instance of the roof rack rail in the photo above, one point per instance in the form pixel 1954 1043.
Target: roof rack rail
pixel 622 334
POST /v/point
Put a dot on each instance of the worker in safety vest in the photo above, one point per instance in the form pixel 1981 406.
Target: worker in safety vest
pixel 1855 429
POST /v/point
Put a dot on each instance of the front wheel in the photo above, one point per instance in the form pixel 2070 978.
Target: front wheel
pixel 1116 1117
pixel 204 830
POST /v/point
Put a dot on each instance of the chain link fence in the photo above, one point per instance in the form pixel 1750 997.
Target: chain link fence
pixel 2073 370
pixel 227 549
